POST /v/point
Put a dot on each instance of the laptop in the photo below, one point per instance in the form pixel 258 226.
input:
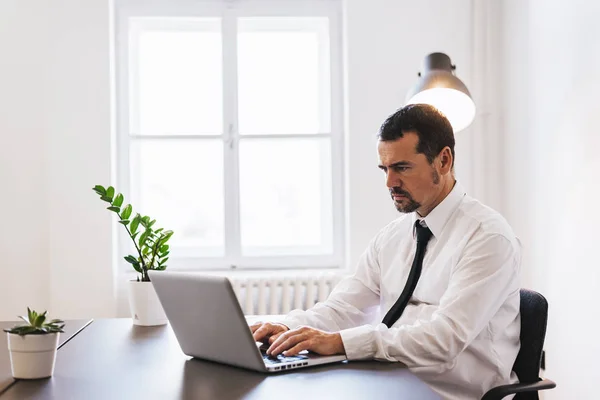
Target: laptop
pixel 209 324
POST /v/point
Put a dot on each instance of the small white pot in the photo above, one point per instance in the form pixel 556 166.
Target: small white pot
pixel 32 356
pixel 144 305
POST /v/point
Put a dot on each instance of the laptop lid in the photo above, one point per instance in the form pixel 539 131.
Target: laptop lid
pixel 206 318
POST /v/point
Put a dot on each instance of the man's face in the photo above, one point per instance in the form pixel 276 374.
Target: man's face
pixel 414 184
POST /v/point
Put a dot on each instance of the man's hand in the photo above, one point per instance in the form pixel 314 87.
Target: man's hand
pixel 267 332
pixel 294 341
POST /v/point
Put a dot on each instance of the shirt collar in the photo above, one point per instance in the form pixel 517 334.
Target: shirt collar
pixel 437 218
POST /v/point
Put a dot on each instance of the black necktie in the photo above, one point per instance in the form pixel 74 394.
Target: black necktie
pixel 423 236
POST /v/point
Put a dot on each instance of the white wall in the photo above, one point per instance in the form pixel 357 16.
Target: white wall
pixel 24 230
pixel 552 126
pixel 387 41
pixel 55 127
pixel 78 151
pixel 57 134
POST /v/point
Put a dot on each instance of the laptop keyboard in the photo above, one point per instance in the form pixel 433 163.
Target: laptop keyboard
pixel 281 358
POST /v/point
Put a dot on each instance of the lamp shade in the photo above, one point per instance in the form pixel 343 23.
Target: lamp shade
pixel 439 87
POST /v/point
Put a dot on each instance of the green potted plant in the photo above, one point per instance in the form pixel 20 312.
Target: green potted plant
pixel 32 346
pixel 152 254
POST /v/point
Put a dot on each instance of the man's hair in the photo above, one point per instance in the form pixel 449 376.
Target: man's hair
pixel 431 126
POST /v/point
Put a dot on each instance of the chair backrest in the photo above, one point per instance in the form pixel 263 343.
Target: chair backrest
pixel 534 317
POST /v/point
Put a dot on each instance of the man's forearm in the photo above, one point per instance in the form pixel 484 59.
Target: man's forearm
pixel 343 309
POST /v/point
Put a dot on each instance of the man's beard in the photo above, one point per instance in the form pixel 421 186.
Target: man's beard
pixel 435 177
pixel 408 205
pixel 411 205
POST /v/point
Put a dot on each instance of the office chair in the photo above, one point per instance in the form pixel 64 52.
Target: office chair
pixel 534 316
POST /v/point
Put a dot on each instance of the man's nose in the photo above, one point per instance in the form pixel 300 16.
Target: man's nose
pixel 392 180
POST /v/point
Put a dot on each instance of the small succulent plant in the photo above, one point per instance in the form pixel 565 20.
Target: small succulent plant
pixel 37 325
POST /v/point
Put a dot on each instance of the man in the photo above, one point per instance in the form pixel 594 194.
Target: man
pixel 459 329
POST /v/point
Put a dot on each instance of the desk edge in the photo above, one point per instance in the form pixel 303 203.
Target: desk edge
pixel 58 348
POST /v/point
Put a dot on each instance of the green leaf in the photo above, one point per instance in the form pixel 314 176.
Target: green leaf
pixel 163 241
pixel 163 261
pixel 142 239
pixel 137 268
pixel 107 199
pixel 134 224
pixel 163 255
pixel 146 219
pixel 131 259
pixel 30 316
pixel 115 209
pixel 134 262
pixel 99 189
pixel 124 222
pixel 118 200
pixel 152 223
pixel 163 248
pixel 126 211
pixel 110 192
pixel 23 330
pixel 159 230
pixel 39 321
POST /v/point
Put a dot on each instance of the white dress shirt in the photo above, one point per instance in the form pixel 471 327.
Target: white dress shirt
pixel 460 331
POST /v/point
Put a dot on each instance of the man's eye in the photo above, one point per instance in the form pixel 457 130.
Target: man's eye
pixel 400 169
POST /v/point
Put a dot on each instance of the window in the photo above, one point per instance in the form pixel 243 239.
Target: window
pixel 229 127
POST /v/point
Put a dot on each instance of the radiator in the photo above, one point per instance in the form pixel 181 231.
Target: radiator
pixel 261 295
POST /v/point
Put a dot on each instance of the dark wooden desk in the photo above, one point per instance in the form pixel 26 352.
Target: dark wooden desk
pixel 112 359
pixel 72 328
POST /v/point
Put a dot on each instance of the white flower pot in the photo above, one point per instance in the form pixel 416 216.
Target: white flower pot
pixel 144 305
pixel 32 356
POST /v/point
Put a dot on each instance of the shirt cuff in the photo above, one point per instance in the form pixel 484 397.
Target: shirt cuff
pixel 358 342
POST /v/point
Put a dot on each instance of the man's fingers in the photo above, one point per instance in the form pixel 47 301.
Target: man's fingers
pixel 275 337
pixel 268 329
pixel 286 343
pixel 262 332
pixel 304 345
pixel 280 339
pixel 255 326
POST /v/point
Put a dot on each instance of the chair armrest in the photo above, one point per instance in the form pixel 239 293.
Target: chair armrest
pixel 499 392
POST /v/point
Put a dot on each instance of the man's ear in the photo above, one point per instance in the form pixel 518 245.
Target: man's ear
pixel 445 158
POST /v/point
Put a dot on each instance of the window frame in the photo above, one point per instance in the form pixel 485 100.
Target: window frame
pixel 229 11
